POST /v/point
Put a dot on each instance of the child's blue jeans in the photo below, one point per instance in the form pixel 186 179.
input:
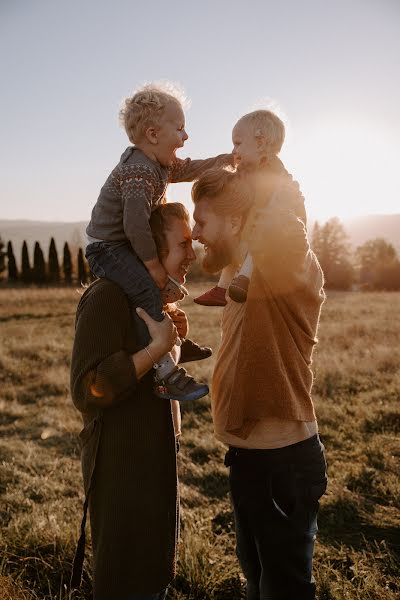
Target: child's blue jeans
pixel 118 262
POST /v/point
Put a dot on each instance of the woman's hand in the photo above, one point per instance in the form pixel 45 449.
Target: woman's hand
pixel 163 334
pixel 180 321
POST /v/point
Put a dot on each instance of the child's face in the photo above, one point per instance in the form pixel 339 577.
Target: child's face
pixel 247 150
pixel 170 134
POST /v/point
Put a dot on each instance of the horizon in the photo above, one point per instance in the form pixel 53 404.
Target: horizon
pixel 311 218
pixel 331 72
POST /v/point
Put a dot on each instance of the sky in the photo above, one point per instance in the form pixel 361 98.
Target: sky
pixel 331 69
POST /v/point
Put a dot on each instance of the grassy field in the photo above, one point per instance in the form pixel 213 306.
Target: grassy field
pixel 357 389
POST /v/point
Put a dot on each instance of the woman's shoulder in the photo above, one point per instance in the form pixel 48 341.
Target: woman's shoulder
pixel 102 294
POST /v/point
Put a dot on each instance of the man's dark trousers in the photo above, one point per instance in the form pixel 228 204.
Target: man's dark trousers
pixel 275 495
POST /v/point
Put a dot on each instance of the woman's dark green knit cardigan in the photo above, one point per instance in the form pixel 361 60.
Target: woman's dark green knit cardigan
pixel 128 453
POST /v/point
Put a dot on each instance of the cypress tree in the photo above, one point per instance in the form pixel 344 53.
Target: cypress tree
pixel 82 272
pixel 26 273
pixel 67 264
pixel 39 266
pixel 11 264
pixel 2 258
pixel 54 267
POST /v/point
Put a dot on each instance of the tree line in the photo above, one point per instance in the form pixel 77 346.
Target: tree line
pixel 69 271
pixel 374 265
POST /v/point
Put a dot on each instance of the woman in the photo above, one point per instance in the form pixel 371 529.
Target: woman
pixel 128 440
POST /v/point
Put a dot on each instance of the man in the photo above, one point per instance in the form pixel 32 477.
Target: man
pixel 261 403
pixel 128 440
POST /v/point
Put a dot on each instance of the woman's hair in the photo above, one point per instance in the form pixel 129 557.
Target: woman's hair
pixel 228 190
pixel 160 222
pixel 145 107
pixel 266 124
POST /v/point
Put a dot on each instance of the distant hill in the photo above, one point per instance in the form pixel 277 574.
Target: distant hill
pixel 369 227
pixel 360 229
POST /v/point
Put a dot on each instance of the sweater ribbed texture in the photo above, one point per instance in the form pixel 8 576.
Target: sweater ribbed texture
pixel 273 376
pixel 129 447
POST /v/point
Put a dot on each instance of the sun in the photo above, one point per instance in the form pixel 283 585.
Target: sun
pixel 345 167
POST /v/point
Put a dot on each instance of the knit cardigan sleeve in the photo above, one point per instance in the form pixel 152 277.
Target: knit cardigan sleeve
pixel 189 170
pixel 102 370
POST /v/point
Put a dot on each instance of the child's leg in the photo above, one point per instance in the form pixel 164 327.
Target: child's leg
pixel 119 263
pixel 216 295
pixel 227 274
pixel 240 284
pixel 247 267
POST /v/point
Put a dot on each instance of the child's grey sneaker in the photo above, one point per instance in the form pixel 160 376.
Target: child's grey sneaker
pixel 180 386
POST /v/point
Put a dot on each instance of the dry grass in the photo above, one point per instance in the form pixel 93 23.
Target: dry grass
pixel 356 394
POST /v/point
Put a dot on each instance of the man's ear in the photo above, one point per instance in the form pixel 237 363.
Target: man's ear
pixel 151 135
pixel 236 224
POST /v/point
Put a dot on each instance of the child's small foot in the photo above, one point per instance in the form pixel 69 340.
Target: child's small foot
pixel 213 297
pixel 173 291
pixel 178 385
pixel 238 288
pixel 192 351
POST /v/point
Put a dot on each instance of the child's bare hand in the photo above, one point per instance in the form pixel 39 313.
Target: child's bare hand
pixel 180 321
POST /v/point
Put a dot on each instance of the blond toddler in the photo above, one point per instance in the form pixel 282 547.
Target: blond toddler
pixel 120 242
pixel 257 140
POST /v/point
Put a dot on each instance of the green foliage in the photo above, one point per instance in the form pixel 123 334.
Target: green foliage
pixel 82 271
pixel 67 264
pixel 26 272
pixel 331 245
pixel 378 265
pixel 3 255
pixel 39 266
pixel 54 267
pixel 11 264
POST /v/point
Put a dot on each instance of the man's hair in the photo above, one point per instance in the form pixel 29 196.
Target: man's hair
pixel 160 221
pixel 145 107
pixel 265 123
pixel 228 192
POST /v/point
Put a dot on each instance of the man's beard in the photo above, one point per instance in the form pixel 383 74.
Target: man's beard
pixel 219 255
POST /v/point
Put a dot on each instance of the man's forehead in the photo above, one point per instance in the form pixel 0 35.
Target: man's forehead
pixel 202 209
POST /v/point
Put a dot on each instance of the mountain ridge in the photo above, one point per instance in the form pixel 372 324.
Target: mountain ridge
pixel 359 229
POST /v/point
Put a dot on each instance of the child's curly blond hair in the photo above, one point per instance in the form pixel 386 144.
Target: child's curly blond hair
pixel 144 108
pixel 266 124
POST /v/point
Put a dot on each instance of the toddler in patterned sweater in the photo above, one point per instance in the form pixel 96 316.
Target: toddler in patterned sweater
pixel 120 242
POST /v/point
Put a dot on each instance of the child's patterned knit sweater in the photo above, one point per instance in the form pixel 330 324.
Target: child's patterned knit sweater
pixel 133 190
